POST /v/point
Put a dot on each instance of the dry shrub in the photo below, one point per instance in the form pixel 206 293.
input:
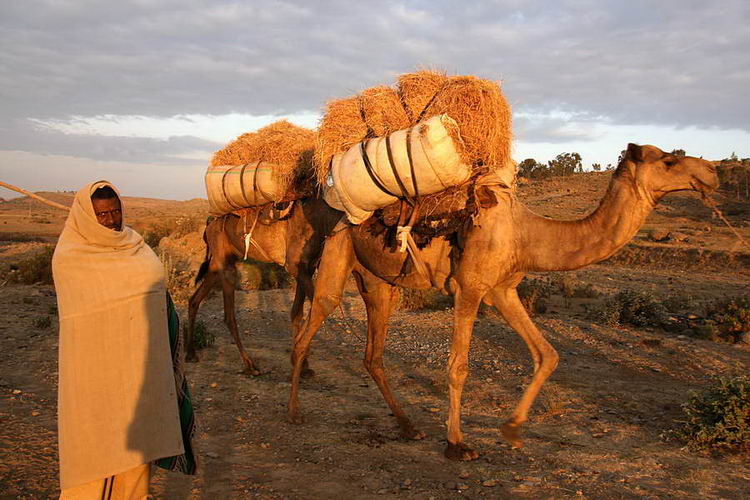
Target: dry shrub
pixel 257 275
pixel 340 128
pixel 411 299
pixel 284 145
pixel 383 111
pixel 417 90
pixel 477 105
pixel 34 269
pixel 731 318
pixel 534 293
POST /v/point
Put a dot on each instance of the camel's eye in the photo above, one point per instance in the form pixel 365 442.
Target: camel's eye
pixel 670 162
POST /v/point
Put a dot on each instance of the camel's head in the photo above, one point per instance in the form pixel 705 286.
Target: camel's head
pixel 660 173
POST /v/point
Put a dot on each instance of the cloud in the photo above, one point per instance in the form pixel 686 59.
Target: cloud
pixel 674 63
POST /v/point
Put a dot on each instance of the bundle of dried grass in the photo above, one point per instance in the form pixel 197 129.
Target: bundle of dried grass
pixel 483 116
pixel 417 90
pixel 341 127
pixel 284 145
pixel 382 111
pixel 477 105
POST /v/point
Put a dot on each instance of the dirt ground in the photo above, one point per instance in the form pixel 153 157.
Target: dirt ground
pixel 594 432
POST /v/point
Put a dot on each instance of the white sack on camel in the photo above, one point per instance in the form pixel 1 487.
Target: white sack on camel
pixel 232 187
pixel 435 151
pixel 117 406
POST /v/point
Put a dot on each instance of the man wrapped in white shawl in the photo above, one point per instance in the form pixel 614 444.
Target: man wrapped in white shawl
pixel 117 403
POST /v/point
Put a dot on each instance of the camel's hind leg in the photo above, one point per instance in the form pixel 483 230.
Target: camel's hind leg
pixel 378 296
pixel 545 357
pixel 228 280
pixel 336 264
pixel 193 304
pixel 303 290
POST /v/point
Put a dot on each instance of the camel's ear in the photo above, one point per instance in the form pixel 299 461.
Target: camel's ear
pixel 634 152
pixel 643 154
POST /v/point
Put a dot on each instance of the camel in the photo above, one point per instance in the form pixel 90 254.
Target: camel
pixel 506 242
pixel 294 242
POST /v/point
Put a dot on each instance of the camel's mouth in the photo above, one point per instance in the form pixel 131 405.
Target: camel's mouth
pixel 704 187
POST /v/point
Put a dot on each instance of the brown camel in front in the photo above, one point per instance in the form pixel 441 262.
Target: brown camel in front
pixel 295 243
pixel 506 242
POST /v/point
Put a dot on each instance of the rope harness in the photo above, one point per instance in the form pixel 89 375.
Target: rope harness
pixel 712 205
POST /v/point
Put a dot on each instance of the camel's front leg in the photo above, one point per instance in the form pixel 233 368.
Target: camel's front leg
pixel 509 305
pixel 465 311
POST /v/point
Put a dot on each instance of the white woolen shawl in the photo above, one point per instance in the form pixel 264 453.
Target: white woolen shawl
pixel 117 406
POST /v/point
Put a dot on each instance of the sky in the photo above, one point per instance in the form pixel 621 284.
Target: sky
pixel 142 92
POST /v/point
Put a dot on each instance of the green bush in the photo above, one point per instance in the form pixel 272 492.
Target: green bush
pixel 42 322
pixel 680 302
pixel 202 336
pixel 731 317
pixel 415 300
pixel 718 419
pixel 630 307
pixel 34 269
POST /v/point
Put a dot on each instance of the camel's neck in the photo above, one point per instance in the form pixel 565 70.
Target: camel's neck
pixel 549 245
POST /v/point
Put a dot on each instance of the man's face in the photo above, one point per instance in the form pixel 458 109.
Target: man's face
pixel 108 213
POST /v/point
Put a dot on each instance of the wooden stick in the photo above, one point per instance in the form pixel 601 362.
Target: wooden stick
pixel 35 196
pixel 712 204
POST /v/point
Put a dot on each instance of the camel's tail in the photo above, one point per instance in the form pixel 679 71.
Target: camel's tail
pixel 204 266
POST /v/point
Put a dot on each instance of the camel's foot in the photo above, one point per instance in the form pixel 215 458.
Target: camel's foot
pixel 512 433
pixel 191 357
pixel 411 433
pixel 307 373
pixel 460 451
pixel 295 417
pixel 250 369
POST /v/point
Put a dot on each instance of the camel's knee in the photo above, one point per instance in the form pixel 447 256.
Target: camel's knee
pixel 550 360
pixel 373 366
pixel 457 374
pixel 327 303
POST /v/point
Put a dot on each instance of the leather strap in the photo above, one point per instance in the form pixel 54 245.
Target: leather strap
pixel 370 171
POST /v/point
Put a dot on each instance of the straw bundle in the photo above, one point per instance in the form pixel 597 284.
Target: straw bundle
pixel 477 105
pixel 285 146
pixel 341 128
pixel 483 116
pixel 417 90
pixel 382 110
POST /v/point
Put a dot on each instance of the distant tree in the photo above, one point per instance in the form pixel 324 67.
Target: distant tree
pixel 526 168
pixel 596 167
pixel 678 152
pixel 609 167
pixel 532 169
pixel 733 156
pixel 565 164
pixel 622 155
